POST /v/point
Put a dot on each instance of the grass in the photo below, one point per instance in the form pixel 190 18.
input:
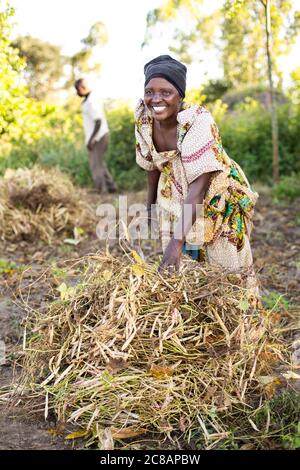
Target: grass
pixel 10 267
pixel 275 301
pixel 277 426
pixel 287 189
pixel 297 220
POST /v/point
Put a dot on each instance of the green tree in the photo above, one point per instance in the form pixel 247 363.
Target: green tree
pixel 11 65
pixel 97 35
pixel 254 35
pixel 171 11
pixel 81 62
pixel 215 89
pixel 244 38
pixel 44 65
pixel 236 29
pixel 242 44
pixel 275 144
pixel 271 15
pixel 295 88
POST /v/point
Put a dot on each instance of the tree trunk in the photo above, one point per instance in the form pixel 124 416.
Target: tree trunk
pixel 275 165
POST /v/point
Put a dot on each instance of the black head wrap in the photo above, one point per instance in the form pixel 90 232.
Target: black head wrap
pixel 166 67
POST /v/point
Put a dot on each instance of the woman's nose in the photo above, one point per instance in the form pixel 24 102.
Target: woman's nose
pixel 156 97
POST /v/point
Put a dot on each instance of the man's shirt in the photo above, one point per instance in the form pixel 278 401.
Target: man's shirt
pixel 92 110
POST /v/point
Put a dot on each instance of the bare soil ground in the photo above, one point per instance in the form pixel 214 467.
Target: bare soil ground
pixel 276 250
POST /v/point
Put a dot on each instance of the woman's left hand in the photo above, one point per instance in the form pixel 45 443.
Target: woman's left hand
pixel 172 256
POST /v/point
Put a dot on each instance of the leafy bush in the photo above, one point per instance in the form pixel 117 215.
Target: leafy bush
pixel 37 132
pixel 246 135
pixel 50 136
pixel 275 301
pixel 121 151
pixel 260 93
pixel 53 136
pixel 288 188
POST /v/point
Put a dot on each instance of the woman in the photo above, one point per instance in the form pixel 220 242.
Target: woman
pixel 181 149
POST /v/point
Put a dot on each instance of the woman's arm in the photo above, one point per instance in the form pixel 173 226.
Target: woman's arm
pixel 153 177
pixel 196 194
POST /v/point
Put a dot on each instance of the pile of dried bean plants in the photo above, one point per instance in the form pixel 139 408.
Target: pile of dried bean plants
pixel 39 204
pixel 127 351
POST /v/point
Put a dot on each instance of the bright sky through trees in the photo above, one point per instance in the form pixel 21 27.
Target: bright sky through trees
pixel 65 22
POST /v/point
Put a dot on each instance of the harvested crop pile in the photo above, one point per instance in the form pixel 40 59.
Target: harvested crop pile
pixel 127 351
pixel 40 204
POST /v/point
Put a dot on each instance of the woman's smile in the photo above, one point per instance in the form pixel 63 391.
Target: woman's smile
pixel 162 99
pixel 159 109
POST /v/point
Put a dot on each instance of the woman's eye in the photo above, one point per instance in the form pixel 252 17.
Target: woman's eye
pixel 148 92
pixel 166 93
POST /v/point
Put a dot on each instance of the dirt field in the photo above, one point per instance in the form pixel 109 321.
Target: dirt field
pixel 276 249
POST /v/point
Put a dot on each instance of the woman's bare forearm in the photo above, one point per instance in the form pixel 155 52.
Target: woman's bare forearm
pixel 153 178
pixel 195 197
pixel 196 194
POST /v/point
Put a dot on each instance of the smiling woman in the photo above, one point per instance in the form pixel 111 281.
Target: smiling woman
pixel 163 100
pixel 160 95
pixel 180 147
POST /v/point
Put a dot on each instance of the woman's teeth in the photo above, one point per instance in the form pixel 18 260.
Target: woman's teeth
pixel 159 109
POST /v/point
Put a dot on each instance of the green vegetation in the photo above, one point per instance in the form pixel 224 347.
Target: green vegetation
pixel 275 425
pixel 6 266
pixel 38 132
pixel 44 64
pixel 282 413
pixel 275 301
pixel 289 189
pixel 121 151
pixel 246 134
pixel 10 267
pixel 52 136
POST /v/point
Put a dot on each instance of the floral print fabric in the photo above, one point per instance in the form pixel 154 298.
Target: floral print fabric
pixel 229 201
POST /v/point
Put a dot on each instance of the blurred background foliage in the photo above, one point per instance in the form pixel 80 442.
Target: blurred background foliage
pixel 35 129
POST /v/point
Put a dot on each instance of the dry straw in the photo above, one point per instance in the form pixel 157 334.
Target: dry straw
pixel 40 204
pixel 127 351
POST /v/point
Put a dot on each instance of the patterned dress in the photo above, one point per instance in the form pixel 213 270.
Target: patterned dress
pixel 224 227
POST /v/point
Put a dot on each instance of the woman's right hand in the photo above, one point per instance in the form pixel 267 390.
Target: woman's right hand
pixel 172 256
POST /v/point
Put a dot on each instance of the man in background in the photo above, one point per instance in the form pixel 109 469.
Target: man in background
pixel 96 136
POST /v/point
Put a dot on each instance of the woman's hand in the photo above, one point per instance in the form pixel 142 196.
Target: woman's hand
pixel 172 256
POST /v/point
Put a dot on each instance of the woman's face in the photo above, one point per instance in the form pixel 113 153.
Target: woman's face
pixel 162 98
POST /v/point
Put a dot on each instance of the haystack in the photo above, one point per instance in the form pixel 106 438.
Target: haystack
pixel 40 204
pixel 127 351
